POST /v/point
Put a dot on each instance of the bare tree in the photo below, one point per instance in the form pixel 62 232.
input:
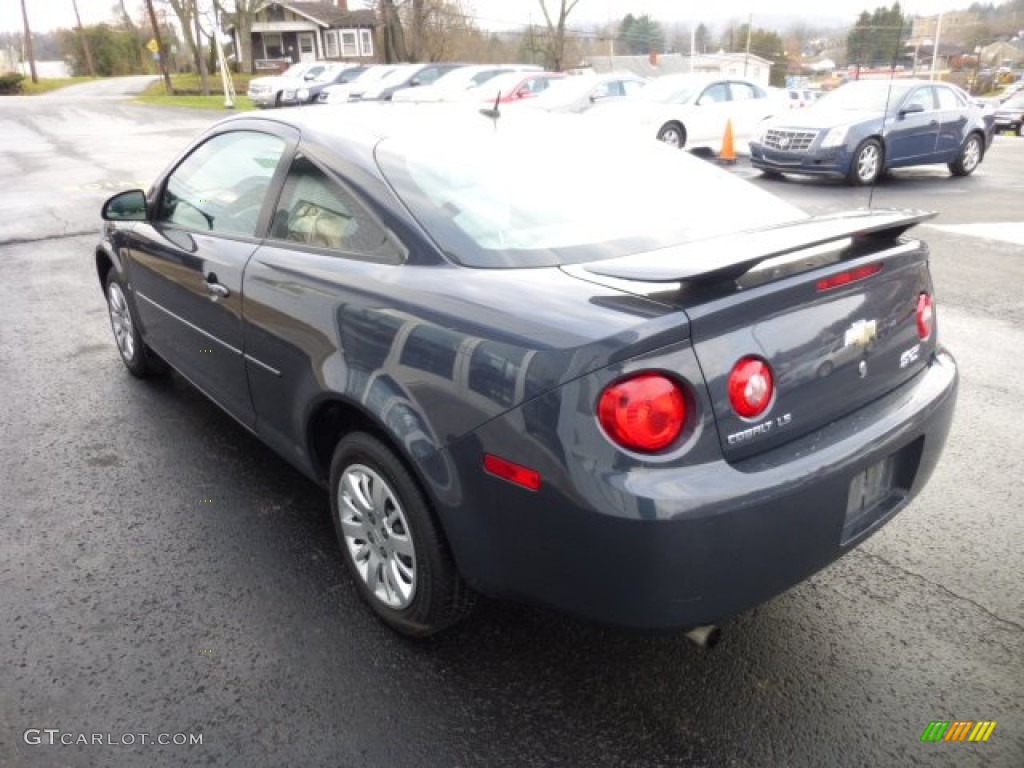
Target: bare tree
pixel 555 49
pixel 160 50
pixel 28 44
pixel 86 48
pixel 243 17
pixel 392 31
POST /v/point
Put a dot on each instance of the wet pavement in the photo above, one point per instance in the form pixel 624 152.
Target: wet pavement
pixel 164 573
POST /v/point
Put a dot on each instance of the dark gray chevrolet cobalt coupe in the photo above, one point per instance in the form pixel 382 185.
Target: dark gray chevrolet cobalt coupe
pixel 623 383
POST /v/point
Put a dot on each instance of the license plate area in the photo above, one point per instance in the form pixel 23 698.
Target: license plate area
pixel 874 493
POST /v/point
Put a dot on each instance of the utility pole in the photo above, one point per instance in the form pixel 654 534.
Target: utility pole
pixel 746 55
pixel 28 44
pixel 85 41
pixel 159 47
pixel 935 48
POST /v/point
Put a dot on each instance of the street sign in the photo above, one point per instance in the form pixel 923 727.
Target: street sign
pixel 152 46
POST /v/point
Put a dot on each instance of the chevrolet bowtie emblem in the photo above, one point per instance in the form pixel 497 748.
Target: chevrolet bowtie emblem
pixel 861 333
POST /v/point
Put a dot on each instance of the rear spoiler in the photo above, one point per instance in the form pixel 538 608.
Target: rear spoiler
pixel 728 257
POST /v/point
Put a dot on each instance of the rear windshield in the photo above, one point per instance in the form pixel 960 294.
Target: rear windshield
pixel 552 192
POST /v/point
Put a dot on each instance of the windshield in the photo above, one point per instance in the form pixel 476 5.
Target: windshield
pixel 866 96
pixel 544 192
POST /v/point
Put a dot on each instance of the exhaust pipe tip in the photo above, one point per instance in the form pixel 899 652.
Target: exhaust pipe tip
pixel 706 636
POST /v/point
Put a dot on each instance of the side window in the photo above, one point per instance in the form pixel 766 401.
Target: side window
pixel 742 92
pixel 947 99
pixel 922 96
pixel 631 87
pixel 714 94
pixel 222 185
pixel 317 211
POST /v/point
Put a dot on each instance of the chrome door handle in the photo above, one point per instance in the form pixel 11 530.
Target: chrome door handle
pixel 216 290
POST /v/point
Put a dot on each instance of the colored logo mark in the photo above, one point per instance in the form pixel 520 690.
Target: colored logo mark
pixel 958 730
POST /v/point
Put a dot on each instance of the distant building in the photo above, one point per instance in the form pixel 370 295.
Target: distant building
pixel 735 64
pixel 956 27
pixel 1010 54
pixel 285 31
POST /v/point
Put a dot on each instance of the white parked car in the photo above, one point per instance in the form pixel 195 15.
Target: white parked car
pixel 454 85
pixel 581 92
pixel 339 94
pixel 266 91
pixel 691 110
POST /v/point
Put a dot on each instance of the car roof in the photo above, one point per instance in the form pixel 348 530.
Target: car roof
pixel 356 128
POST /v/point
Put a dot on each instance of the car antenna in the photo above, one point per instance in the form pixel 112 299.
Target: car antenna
pixel 885 112
pixel 493 112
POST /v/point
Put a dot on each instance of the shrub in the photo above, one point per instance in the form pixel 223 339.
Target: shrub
pixel 10 82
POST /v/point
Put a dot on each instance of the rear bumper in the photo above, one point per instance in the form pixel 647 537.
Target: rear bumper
pixel 684 546
pixel 828 162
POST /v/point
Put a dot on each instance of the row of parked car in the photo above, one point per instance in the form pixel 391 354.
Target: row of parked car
pixel 857 132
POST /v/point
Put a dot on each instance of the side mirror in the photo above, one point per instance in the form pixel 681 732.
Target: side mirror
pixel 522 93
pixel 126 206
pixel 414 82
pixel 911 109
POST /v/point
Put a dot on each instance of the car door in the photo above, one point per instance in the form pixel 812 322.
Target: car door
pixel 706 124
pixel 748 107
pixel 953 123
pixel 186 264
pixel 913 131
pixel 325 251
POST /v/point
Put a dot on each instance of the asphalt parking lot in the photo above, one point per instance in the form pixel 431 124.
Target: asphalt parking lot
pixel 165 574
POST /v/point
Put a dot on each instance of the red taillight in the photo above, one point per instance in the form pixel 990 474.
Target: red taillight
pixel 925 316
pixel 514 473
pixel 751 387
pixel 851 276
pixel 646 412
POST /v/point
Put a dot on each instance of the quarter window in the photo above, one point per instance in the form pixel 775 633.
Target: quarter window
pixel 222 185
pixel 317 211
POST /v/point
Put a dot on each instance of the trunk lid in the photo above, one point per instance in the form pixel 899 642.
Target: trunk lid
pixel 834 343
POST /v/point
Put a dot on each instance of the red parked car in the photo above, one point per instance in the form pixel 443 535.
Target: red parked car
pixel 514 86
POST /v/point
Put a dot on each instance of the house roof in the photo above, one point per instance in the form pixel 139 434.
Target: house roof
pixel 327 14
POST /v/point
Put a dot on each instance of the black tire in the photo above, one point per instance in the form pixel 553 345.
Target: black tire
pixel 868 163
pixel 277 100
pixel 139 359
pixel 969 158
pixel 773 175
pixel 1020 129
pixel 672 134
pixel 434 597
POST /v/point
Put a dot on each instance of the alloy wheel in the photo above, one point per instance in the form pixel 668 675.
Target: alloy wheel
pixel 377 536
pixel 121 322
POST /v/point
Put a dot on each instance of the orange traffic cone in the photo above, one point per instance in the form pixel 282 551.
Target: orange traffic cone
pixel 728 154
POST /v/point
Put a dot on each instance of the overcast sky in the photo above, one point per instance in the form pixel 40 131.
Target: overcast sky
pixel 45 15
